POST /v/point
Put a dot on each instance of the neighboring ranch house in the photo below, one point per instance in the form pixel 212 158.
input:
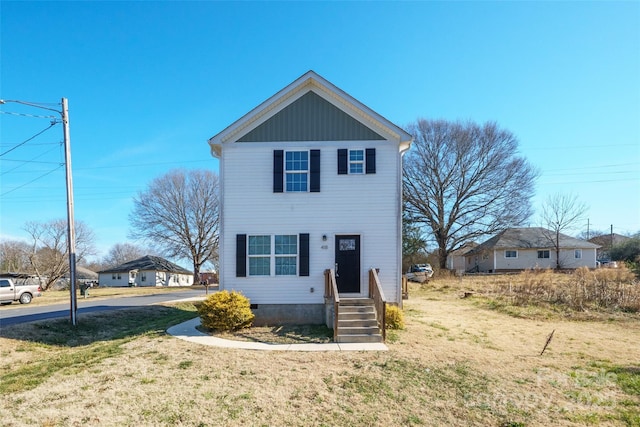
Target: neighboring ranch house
pixel 146 271
pixel 311 184
pixel 517 249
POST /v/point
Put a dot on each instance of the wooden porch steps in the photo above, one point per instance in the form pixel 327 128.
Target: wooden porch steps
pixel 357 321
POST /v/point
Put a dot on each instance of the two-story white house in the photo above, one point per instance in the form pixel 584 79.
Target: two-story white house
pixel 311 181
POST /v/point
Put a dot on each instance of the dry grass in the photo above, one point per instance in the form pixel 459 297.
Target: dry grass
pixel 455 364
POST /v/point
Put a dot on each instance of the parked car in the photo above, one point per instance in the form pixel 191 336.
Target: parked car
pixel 10 292
pixel 420 273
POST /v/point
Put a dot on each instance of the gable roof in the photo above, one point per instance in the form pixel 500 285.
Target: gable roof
pixel 148 263
pixel 300 111
pixel 529 238
pixel 462 250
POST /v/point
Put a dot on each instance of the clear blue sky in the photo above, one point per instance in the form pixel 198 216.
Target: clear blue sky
pixel 149 82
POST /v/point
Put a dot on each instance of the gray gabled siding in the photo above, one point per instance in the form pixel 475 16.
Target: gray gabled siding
pixel 311 118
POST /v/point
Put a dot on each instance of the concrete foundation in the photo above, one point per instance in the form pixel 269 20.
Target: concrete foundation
pixel 288 314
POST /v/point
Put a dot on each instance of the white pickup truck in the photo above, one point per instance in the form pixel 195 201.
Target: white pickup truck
pixel 10 292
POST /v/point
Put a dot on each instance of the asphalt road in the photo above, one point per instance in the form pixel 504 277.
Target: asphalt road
pixel 30 313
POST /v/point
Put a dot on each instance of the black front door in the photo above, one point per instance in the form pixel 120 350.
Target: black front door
pixel 348 263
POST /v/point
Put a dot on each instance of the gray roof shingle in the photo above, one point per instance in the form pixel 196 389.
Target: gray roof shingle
pixel 530 238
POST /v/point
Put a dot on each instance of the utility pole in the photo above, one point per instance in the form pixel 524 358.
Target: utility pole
pixel 612 235
pixel 71 229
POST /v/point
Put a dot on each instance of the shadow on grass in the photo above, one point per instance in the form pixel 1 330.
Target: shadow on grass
pixel 101 326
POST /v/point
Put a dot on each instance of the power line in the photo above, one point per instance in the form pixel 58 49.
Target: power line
pixel 36 116
pixel 33 180
pixel 23 163
pixel 593 167
pixel 53 123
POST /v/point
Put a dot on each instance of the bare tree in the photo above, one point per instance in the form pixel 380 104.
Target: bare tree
pixel 178 213
pixel 464 181
pixel 121 253
pixel 49 251
pixel 14 256
pixel 561 213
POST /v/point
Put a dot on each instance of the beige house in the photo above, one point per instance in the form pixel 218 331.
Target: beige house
pixel 146 271
pixel 517 249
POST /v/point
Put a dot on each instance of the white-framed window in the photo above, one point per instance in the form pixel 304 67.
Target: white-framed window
pixel 543 254
pixel 511 254
pixel 119 276
pixel 273 255
pixel 143 276
pixel 113 276
pixel 286 254
pixel 356 161
pixel 577 254
pixel 485 256
pixel 259 254
pixel 296 167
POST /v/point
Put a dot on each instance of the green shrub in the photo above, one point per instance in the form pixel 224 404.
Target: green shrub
pixel 394 317
pixel 226 311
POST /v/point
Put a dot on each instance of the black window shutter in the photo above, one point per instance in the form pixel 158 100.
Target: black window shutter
pixel 371 160
pixel 342 161
pixel 241 255
pixel 304 254
pixel 315 171
pixel 278 167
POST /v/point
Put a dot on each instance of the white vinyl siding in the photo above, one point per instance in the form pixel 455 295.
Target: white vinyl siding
pixel 342 207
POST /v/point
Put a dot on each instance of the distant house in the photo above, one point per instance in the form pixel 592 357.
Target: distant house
pixel 146 271
pixel 517 249
pixel 606 242
pixel 456 260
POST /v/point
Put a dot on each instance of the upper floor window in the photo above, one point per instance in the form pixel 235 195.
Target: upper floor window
pixel 511 254
pixel 296 170
pixel 543 254
pixel 356 161
pixel 577 253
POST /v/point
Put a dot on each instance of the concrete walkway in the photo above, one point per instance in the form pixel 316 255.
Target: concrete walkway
pixel 187 331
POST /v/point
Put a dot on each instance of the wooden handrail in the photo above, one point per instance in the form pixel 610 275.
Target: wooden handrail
pixel 331 291
pixel 405 287
pixel 379 301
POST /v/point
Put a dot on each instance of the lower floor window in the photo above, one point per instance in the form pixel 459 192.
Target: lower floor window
pixel 578 253
pixel 543 254
pixel 511 254
pixel 278 254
